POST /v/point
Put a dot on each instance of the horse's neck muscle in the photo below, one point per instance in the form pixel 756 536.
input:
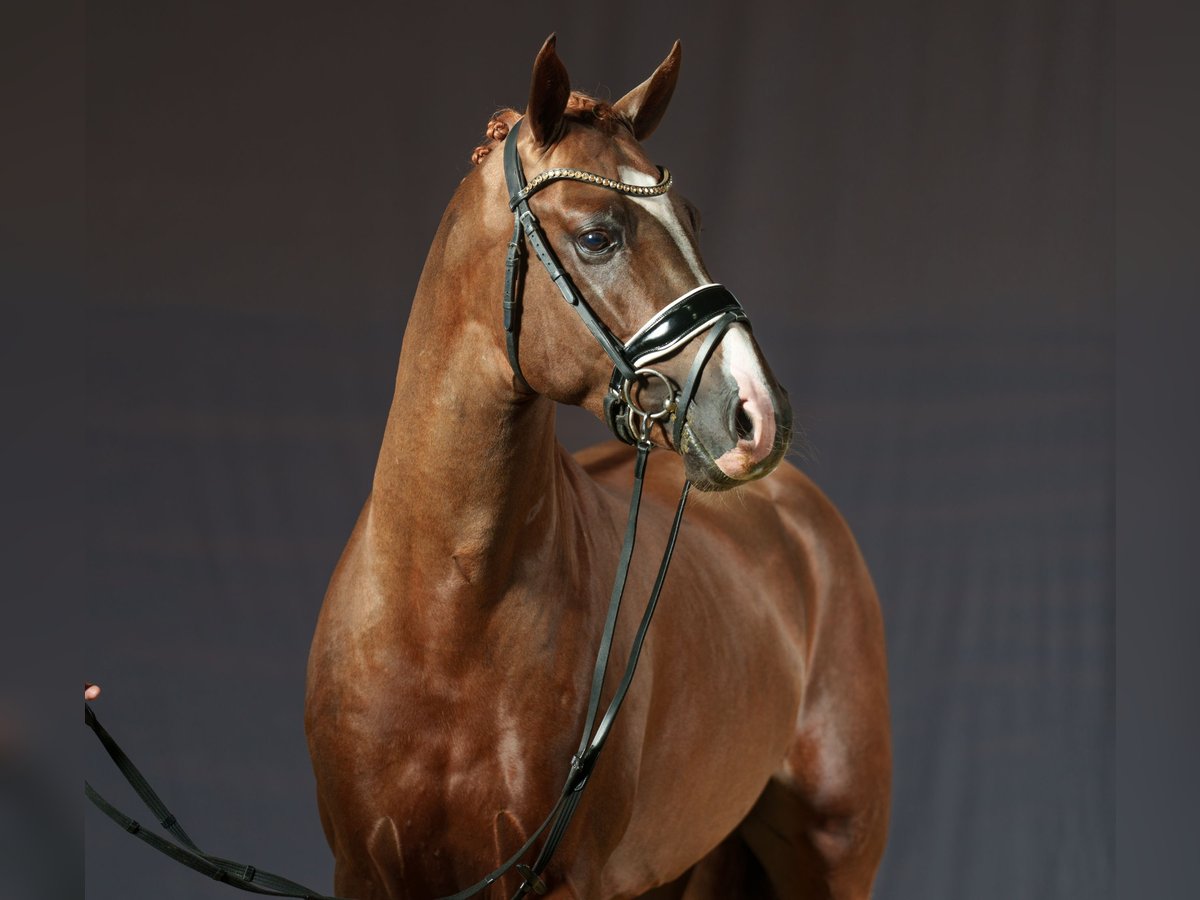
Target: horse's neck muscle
pixel 469 483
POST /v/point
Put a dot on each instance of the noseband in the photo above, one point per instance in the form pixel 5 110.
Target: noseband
pixel 709 307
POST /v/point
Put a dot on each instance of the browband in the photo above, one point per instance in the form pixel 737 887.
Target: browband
pixel 636 190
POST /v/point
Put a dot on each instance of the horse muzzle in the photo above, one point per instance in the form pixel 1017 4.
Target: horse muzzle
pixel 738 427
pixel 719 404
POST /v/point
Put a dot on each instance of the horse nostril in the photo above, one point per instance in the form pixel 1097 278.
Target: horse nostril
pixel 742 424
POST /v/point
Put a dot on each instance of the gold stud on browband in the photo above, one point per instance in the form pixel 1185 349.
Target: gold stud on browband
pixel 637 190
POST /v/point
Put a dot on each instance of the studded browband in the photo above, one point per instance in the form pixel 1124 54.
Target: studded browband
pixel 624 187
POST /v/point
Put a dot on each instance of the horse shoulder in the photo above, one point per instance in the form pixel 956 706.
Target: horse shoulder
pixel 843 619
pixel 810 521
pixel 835 781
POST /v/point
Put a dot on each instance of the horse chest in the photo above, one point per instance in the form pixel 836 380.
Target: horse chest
pixel 451 746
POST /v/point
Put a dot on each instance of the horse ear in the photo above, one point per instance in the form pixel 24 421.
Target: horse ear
pixel 645 104
pixel 548 94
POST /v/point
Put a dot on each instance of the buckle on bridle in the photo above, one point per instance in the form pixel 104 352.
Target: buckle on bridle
pixel 533 881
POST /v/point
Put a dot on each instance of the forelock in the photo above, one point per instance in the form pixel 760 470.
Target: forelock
pixel 598 113
pixel 582 108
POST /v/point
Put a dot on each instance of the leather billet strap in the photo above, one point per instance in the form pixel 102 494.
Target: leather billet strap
pixel 512 303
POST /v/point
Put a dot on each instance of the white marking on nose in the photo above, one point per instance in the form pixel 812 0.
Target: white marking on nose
pixel 663 210
pixel 739 362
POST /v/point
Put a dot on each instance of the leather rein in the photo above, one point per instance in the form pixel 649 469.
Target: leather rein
pixel 709 309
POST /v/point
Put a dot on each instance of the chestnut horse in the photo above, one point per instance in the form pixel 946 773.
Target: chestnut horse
pixel 450 668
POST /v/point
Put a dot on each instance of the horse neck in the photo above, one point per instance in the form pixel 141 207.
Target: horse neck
pixel 467 486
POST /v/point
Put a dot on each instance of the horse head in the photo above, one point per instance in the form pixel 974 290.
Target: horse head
pixel 631 254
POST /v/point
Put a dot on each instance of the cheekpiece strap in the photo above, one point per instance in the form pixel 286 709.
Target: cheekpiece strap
pixel 525 221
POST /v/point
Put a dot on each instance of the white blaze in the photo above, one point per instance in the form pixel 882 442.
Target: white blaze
pixel 664 211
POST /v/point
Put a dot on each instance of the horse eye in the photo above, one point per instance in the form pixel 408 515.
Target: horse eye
pixel 594 241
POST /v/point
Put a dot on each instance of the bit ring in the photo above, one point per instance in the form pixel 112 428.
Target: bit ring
pixel 668 407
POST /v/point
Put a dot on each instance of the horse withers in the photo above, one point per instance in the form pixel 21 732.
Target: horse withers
pixel 450 668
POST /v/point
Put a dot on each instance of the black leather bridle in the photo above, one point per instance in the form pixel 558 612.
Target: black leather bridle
pixel 708 307
pixel 709 310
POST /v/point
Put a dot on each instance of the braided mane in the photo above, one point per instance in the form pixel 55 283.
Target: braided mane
pixel 581 108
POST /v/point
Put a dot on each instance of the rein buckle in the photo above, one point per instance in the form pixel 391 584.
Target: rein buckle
pixel 533 881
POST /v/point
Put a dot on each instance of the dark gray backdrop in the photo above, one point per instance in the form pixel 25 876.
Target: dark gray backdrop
pixel 914 204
